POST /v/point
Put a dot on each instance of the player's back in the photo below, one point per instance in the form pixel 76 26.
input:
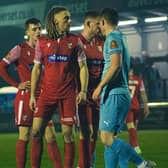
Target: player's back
pixel 135 88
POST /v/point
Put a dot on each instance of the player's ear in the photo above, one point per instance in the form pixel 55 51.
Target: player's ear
pixel 88 23
pixel 103 22
pixel 55 21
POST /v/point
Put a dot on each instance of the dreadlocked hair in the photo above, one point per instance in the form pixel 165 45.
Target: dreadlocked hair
pixel 52 32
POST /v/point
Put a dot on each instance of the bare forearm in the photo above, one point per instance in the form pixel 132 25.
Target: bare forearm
pixel 34 80
pixel 110 74
pixel 84 78
pixel 144 97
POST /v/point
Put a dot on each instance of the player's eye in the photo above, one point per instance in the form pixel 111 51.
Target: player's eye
pixel 67 17
pixel 36 28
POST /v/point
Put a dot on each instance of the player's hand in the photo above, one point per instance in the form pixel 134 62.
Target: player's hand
pixel 146 111
pixel 96 93
pixel 32 103
pixel 81 98
pixel 91 131
pixel 24 85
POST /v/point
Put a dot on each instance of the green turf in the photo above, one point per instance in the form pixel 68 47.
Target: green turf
pixel 153 143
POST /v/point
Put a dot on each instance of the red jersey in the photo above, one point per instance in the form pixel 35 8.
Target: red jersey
pixel 136 85
pixel 94 54
pixel 22 55
pixel 60 58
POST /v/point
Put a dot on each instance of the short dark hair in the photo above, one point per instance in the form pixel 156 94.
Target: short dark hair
pixel 110 15
pixel 31 21
pixel 91 14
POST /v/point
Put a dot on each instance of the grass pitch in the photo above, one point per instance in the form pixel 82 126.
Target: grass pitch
pixel 153 144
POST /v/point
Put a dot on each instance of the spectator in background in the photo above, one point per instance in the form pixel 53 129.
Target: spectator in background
pixel 137 92
pixel 22 56
pixel 151 76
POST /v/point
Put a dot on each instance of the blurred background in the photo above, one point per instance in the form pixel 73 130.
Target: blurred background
pixel 145 23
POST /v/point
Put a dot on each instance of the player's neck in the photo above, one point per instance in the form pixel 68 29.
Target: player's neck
pixel 86 35
pixel 31 43
pixel 110 29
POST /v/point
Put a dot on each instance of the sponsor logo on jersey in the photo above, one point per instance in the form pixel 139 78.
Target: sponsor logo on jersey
pixel 94 62
pixel 58 58
pixel 31 66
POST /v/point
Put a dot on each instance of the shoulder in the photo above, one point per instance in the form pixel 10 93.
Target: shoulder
pixel 73 37
pixel 43 39
pixel 22 45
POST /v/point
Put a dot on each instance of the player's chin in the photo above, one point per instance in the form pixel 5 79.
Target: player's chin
pixel 67 28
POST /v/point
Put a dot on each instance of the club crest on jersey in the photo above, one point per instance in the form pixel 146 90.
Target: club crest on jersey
pixel 100 49
pixel 28 53
pixel 25 117
pixel 114 44
pixel 48 45
pixel 69 45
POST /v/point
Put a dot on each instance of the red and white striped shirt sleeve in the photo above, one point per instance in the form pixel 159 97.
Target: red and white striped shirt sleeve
pixel 38 53
pixel 13 55
pixel 81 53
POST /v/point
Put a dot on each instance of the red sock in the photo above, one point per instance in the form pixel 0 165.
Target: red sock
pixel 21 153
pixel 133 137
pixel 69 155
pixel 54 154
pixel 36 153
pixel 84 155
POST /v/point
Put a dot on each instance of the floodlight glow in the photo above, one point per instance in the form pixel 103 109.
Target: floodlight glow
pixel 153 104
pixel 128 22
pixel 156 19
pixel 43 31
pixel 76 28
pixel 26 37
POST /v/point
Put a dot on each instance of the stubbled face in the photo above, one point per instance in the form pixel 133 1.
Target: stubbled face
pixel 94 26
pixel 62 21
pixel 101 25
pixel 34 31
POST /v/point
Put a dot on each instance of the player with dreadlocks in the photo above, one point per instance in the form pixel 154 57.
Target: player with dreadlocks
pixel 62 54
